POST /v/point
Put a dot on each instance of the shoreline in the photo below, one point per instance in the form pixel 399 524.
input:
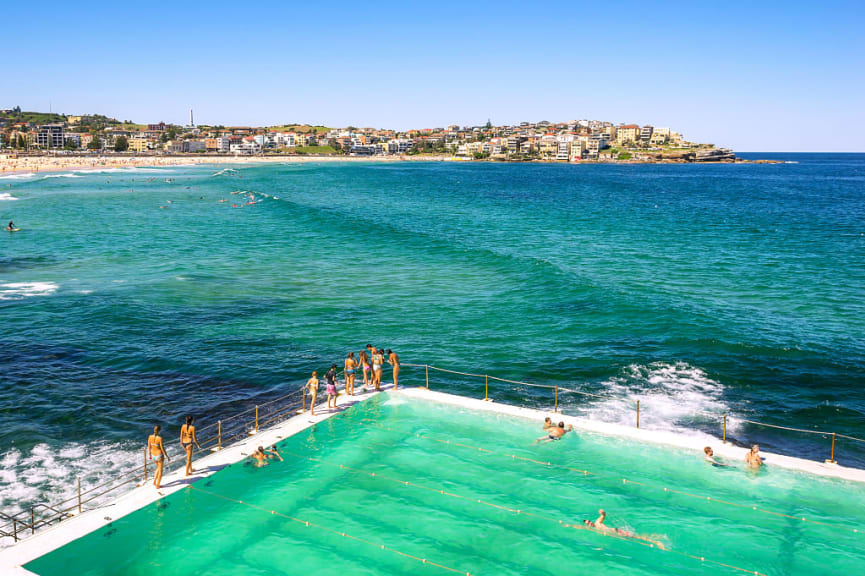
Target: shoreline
pixel 35 164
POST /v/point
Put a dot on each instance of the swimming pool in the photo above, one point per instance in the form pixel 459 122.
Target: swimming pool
pixel 399 485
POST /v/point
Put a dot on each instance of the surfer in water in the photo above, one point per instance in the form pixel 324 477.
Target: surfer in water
pixel 11 226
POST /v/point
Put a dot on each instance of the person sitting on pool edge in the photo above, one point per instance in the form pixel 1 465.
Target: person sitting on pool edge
pixel 600 526
pixel 709 455
pixel 555 433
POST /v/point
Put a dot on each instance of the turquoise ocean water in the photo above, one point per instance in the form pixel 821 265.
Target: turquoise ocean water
pixel 700 290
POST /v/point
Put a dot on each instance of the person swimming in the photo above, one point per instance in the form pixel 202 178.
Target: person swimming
pixel 599 525
pixel 709 456
pixel 548 423
pixel 555 432
pixel 261 456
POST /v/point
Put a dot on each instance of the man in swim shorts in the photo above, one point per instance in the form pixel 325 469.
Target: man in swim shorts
pixel 555 433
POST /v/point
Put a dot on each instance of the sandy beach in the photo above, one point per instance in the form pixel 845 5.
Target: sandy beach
pixel 11 164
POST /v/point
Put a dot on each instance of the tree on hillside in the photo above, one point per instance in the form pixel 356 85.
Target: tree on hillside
pixel 21 142
pixel 489 124
pixel 70 144
pixel 121 144
pixel 95 144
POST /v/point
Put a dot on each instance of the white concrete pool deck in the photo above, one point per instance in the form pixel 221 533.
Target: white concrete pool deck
pixel 13 557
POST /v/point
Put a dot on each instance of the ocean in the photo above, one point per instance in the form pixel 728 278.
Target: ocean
pixel 132 297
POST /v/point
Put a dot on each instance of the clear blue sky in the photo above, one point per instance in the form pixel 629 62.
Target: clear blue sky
pixel 755 76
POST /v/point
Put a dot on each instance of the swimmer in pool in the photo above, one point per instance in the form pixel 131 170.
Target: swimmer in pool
pixel 548 423
pixel 599 526
pixel 753 458
pixel 709 456
pixel 261 456
pixel 555 433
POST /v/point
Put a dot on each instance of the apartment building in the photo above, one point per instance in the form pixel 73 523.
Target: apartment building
pixel 50 136
pixel 627 134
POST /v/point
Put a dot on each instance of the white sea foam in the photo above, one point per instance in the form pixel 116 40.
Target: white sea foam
pixel 673 396
pixel 7 196
pixel 21 176
pixel 20 290
pixel 65 175
pixel 49 475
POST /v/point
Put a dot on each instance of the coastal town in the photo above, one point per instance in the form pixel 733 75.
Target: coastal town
pixel 29 133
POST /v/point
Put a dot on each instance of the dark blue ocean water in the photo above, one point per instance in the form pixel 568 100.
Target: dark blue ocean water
pixel 699 290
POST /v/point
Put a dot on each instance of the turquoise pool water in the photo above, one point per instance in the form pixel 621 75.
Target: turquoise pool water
pixel 326 479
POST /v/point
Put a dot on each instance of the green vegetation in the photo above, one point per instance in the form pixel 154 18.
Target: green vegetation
pixel 16 115
pixel 315 150
pixel 301 128
pixel 95 144
pixel 121 144
pixel 625 156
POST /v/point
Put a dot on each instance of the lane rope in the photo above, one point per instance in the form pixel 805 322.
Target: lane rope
pixel 333 531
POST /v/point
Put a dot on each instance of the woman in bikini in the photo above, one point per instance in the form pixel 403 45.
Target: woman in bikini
pixel 157 454
pixel 364 362
pixel 187 439
pixel 350 367
pixel 312 386
pixel 377 361
pixel 393 360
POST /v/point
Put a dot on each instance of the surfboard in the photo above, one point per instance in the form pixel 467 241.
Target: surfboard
pixel 14 230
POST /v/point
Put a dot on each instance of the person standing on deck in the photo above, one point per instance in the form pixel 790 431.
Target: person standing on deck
pixel 157 454
pixel 330 378
pixel 365 364
pixel 312 386
pixel 187 439
pixel 393 360
pixel 350 367
pixel 377 361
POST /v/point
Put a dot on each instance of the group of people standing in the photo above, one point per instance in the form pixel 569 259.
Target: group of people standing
pixel 370 361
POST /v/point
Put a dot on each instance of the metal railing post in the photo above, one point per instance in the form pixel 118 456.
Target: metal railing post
pixel 15 529
pixel 79 494
pixel 219 434
pixel 638 413
pixel 303 401
pixel 256 419
pixel 145 463
pixel 831 459
pixel 486 387
pixel 32 521
pixel 427 376
pixel 556 406
pixel 724 439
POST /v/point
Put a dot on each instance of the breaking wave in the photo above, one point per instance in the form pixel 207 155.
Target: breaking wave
pixel 7 196
pixel 673 397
